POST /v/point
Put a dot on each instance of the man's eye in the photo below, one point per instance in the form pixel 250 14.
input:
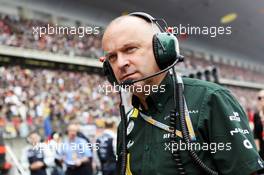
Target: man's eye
pixel 131 49
pixel 112 58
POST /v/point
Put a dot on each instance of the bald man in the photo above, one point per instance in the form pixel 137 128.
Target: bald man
pixel 127 41
pixel 222 138
pixel 75 153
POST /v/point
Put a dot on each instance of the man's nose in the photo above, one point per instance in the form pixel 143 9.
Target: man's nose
pixel 122 62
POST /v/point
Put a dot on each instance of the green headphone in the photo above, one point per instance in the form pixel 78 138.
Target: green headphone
pixel 165 48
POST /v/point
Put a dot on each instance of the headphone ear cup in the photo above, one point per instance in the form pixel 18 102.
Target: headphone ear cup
pixel 108 72
pixel 164 49
pixel 156 49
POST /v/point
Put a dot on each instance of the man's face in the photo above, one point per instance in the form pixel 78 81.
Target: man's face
pixel 128 44
pixel 34 139
pixel 72 131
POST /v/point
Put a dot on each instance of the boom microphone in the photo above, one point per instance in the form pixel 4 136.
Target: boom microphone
pixel 131 82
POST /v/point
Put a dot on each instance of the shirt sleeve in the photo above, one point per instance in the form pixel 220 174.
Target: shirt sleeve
pixel 228 127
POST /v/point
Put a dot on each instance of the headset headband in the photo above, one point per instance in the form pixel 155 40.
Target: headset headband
pixel 143 15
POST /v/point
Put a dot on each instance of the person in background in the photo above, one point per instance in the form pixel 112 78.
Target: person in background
pixel 81 135
pixel 259 123
pixel 75 153
pixel 55 145
pixel 107 149
pixel 36 156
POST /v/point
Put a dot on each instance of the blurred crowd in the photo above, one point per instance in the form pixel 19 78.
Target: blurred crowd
pixel 72 153
pixel 246 97
pixel 18 32
pixel 225 70
pixel 46 100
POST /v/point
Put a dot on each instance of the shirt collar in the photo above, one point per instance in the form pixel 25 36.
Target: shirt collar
pixel 157 100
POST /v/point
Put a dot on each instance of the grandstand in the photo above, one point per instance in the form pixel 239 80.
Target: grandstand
pixel 54 78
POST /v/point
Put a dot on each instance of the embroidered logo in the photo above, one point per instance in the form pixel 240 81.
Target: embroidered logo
pixel 130 127
pixel 130 143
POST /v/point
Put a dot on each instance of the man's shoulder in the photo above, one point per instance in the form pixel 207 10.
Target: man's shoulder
pixel 196 84
pixel 80 140
pixel 76 140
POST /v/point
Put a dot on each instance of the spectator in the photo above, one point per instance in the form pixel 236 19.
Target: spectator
pixel 75 153
pixel 55 145
pixel 107 149
pixel 36 157
pixel 259 123
pixel 89 146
